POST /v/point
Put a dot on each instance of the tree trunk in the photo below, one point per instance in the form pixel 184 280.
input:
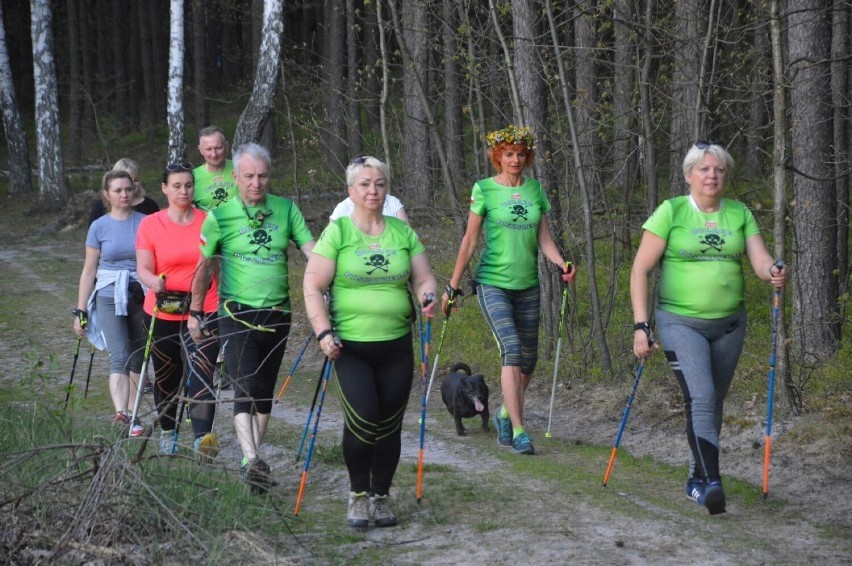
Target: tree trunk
pixel 779 190
pixel 199 57
pixel 416 183
pixel 119 66
pixel 452 92
pixel 20 178
pixel 841 78
pixel 159 55
pixel 262 100
pixel 175 114
pixel 646 147
pixel 371 85
pixel 689 22
pixel 75 87
pixel 815 315
pixel 88 116
pixel 352 80
pixel 147 59
pixel 54 188
pixel 335 120
pixel 598 334
pixel 623 134
pixel 755 129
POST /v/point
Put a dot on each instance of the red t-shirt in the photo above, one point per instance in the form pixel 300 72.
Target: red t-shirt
pixel 175 250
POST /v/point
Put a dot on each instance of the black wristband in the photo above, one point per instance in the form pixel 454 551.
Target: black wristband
pixel 453 293
pixel 646 328
pixel 81 315
pixel 197 314
pixel 323 334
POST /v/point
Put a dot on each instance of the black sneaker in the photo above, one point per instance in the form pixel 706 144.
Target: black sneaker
pixel 258 476
pixel 714 498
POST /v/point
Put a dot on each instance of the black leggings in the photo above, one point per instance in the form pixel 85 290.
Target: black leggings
pixel 171 347
pixel 374 379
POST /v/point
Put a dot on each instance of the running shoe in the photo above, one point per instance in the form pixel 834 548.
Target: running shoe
pixel 168 442
pixel 504 430
pixel 121 418
pixel 522 444
pixel 206 448
pixel 695 490
pixel 714 498
pixel 358 516
pixel 380 512
pixel 137 428
pixel 259 476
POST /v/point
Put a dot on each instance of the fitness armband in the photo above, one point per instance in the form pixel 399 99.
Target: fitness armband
pixel 323 334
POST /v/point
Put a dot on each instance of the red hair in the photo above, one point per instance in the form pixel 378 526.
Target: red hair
pixel 494 154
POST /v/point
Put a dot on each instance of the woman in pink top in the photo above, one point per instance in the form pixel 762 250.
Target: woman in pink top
pixel 166 255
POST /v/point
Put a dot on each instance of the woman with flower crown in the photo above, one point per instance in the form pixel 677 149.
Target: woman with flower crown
pixel 510 209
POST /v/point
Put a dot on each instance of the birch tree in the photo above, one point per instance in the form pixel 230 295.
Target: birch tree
pixel 20 179
pixel 260 104
pixel 174 113
pixel 53 188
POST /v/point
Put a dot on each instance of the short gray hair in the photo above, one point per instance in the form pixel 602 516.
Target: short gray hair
pixel 211 130
pixel 695 154
pixel 257 152
pixel 362 161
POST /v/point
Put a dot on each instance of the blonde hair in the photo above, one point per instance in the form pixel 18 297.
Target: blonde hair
pixel 132 168
pixel 108 178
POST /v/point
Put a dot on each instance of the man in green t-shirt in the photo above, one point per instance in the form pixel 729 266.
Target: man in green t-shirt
pixel 246 239
pixel 214 179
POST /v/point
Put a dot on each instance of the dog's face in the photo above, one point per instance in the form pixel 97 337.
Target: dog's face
pixel 476 391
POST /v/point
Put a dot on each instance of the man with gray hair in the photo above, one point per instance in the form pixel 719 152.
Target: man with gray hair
pixel 247 239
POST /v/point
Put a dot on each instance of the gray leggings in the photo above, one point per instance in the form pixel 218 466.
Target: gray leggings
pixel 124 335
pixel 703 355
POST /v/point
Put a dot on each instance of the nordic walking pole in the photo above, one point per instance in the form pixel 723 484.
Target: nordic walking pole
pixel 425 338
pixel 558 349
pixel 624 417
pixel 326 374
pixel 293 369
pixel 73 369
pixel 146 355
pixel 770 396
pixel 311 412
pixel 89 373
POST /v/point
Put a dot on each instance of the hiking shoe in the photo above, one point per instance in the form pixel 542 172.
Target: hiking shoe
pixel 206 448
pixel 258 476
pixel 148 388
pixel 714 498
pixel 522 444
pixel 504 430
pixel 121 418
pixel 137 428
pixel 695 490
pixel 380 512
pixel 358 516
pixel 168 442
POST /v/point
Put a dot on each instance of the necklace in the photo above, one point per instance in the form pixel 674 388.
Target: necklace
pixel 260 215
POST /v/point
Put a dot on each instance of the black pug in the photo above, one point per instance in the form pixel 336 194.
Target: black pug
pixel 465 396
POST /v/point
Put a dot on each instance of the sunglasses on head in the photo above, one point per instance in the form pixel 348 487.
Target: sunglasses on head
pixel 360 160
pixel 182 166
pixel 700 144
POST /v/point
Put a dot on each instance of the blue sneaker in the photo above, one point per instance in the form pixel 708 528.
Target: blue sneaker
pixel 695 490
pixel 522 444
pixel 714 498
pixel 504 430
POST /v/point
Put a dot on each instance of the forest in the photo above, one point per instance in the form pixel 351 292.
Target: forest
pixel 614 91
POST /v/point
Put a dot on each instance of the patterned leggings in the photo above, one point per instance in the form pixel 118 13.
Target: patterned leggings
pixel 513 318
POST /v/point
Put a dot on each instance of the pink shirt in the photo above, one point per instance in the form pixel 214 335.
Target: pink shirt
pixel 175 250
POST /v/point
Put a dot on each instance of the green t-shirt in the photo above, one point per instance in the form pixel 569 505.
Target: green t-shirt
pixel 213 189
pixel 253 255
pixel 369 295
pixel 511 216
pixel 701 269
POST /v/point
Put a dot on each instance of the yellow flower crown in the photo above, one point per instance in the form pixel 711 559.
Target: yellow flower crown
pixel 512 135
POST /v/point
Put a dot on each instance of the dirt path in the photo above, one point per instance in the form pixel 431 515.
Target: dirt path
pixel 539 521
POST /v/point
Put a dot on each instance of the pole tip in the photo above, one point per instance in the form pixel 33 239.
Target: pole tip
pixel 548 435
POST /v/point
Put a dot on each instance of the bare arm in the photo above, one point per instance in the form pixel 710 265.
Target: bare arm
pixel 762 262
pixel 87 284
pixel 466 249
pixel 423 282
pixel 650 251
pixel 551 251
pixel 307 247
pixel 401 214
pixel 145 270
pixel 319 273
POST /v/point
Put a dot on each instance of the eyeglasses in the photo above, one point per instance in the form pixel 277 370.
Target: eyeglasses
pixel 175 167
pixel 701 144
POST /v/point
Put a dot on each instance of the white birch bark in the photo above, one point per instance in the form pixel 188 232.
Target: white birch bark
pixel 174 104
pixel 20 179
